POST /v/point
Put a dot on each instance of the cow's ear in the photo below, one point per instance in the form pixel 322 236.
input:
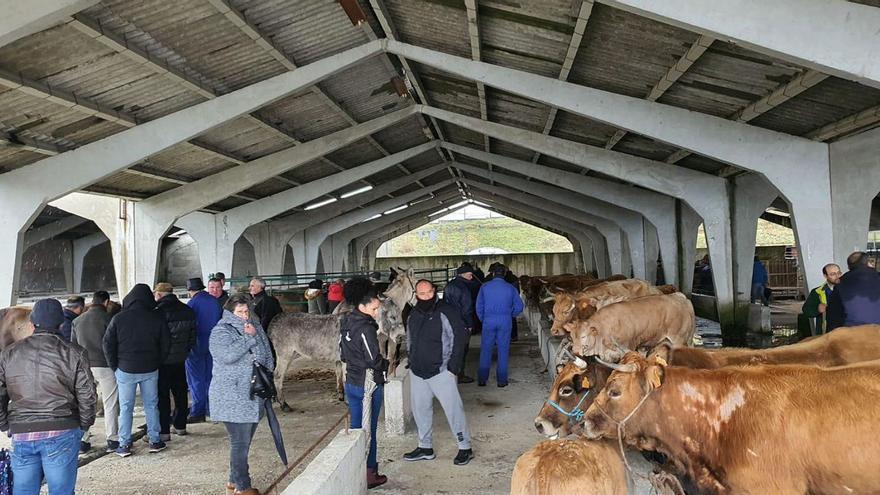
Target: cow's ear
pixel 655 374
pixel 559 368
pixel 661 353
pixel 576 383
pixel 393 270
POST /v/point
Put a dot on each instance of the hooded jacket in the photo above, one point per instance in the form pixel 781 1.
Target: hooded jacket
pixel 436 339
pixel 181 321
pixel 48 381
pixel 137 339
pixel 359 346
pixel 234 353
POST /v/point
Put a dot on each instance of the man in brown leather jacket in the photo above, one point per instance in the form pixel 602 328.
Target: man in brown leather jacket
pixel 48 383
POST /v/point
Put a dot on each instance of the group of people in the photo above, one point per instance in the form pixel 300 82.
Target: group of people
pixel 438 336
pixel 157 344
pixel 846 300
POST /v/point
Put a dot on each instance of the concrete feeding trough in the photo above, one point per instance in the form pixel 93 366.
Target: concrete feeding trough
pixel 339 469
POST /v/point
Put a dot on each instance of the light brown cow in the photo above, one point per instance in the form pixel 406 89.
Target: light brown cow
pixel 780 429
pixel 576 386
pixel 637 323
pixel 570 466
pixel 569 306
pixel 14 325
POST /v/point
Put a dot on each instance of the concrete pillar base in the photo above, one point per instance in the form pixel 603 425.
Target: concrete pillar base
pixel 398 410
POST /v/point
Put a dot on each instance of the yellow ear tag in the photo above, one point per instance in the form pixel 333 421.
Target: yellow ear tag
pixel 659 360
pixel 585 383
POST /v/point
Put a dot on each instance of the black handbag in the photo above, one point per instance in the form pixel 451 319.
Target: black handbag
pixel 262 383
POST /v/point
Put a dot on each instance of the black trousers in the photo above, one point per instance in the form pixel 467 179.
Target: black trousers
pixel 172 383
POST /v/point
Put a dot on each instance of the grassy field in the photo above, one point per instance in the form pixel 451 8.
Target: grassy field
pixel 461 236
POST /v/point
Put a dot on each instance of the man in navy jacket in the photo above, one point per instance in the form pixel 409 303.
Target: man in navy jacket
pixel 856 299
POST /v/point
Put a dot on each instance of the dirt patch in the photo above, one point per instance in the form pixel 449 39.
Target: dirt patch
pixel 312 374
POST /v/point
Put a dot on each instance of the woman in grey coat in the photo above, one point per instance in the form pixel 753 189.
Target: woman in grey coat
pixel 236 342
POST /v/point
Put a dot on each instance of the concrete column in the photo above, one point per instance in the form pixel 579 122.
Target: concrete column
pixel 21 19
pixel 111 215
pixel 688 226
pixel 270 256
pixel 752 194
pixel 81 248
pixel 215 251
pixel 855 182
pixel 629 222
pixel 297 245
pixel 652 250
pixel 67 264
pixel 830 36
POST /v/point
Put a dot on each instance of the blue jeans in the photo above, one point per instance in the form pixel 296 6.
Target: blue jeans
pixel 240 437
pixel 355 397
pixel 127 384
pixel 55 458
pixel 496 331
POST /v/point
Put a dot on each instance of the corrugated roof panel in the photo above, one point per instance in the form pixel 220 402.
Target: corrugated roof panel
pixel 627 54
pixel 532 37
pixel 509 109
pixel 637 145
pixel 829 101
pixel 403 135
pixel 268 188
pixel 311 171
pixel 13 157
pixel 244 138
pixel 136 184
pixel 576 128
pixel 726 79
pixel 305 115
pixel 306 30
pixel 365 90
pixel 436 24
pixel 701 164
pixel 187 160
pixel 512 150
pixel 355 154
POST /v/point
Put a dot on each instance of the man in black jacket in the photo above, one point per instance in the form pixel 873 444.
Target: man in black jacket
pixel 88 332
pixel 135 345
pixel 435 341
pixel 856 299
pixel 181 321
pixel 52 395
pixel 459 295
pixel 265 306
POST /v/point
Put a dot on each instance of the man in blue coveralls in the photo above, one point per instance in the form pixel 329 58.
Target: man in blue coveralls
pixel 497 304
pixel 199 363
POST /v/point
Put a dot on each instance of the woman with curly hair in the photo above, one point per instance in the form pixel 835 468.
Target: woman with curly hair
pixel 365 366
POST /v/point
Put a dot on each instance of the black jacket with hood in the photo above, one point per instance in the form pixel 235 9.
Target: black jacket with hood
pixel 359 345
pixel 137 340
pixel 436 339
pixel 181 326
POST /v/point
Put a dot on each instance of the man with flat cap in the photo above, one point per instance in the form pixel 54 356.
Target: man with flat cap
pixel 199 363
pixel 47 399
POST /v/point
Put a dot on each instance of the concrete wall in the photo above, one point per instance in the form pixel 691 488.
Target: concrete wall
pixel 179 260
pixel 98 269
pixel 42 266
pixel 244 260
pixel 520 264
pixel 339 469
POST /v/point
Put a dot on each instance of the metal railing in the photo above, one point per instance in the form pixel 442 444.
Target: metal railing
pixel 439 276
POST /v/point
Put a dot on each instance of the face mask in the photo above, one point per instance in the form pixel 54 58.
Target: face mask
pixel 424 305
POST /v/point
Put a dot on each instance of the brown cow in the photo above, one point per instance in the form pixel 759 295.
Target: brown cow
pixel 638 323
pixel 781 429
pixel 14 325
pixel 844 346
pixel 570 466
pixel 569 306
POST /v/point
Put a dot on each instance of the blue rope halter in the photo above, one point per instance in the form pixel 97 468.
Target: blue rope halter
pixel 576 414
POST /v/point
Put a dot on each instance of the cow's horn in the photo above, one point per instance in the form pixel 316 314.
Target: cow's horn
pixel 619 347
pixel 623 368
pixel 580 363
pixel 548 299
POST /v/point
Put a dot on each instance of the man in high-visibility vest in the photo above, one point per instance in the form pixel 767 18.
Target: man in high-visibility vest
pixel 817 302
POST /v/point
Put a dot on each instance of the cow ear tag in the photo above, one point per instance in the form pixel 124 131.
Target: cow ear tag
pixel 660 361
pixel 585 383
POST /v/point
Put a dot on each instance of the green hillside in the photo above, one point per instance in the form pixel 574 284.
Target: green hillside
pixel 461 236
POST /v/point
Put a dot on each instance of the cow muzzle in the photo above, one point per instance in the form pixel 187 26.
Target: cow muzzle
pixel 545 428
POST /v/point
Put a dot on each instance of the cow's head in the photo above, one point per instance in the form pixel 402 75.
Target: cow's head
pixel 626 389
pixel 591 339
pixel 576 385
pixel 564 310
